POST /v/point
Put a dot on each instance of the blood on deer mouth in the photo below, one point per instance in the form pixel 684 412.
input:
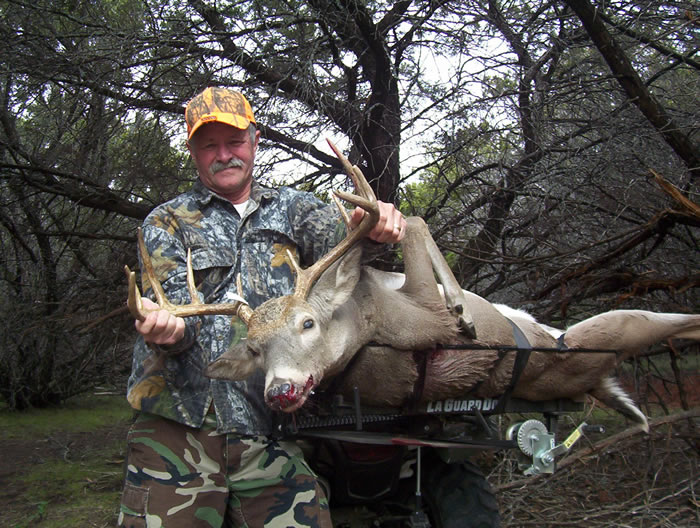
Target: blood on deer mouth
pixel 289 397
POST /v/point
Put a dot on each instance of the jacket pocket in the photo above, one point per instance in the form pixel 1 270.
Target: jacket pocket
pixel 211 267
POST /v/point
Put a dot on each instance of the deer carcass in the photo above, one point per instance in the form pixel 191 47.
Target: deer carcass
pixel 339 307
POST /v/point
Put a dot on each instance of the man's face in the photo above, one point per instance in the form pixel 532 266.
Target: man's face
pixel 224 156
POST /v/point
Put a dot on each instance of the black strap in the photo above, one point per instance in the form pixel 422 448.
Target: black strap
pixel 521 358
pixel 420 358
pixel 560 343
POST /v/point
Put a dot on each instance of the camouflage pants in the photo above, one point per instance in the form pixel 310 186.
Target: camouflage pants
pixel 181 477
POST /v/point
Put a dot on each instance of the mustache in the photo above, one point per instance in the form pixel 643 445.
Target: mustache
pixel 233 163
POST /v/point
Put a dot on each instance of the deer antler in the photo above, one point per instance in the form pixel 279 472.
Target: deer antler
pixel 239 308
pixel 365 199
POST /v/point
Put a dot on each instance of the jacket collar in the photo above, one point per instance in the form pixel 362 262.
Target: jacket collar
pixel 258 193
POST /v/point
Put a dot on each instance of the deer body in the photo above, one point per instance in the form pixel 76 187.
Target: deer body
pixel 351 306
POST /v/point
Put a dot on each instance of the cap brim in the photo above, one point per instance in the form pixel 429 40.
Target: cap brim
pixel 233 120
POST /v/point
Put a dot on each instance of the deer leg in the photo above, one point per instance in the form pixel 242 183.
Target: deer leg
pixel 422 260
pixel 454 295
pixel 611 394
pixel 420 283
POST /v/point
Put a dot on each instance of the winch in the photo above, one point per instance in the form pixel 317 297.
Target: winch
pixel 538 447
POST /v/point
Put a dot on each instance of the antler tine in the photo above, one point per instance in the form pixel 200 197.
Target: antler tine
pixel 362 188
pixel 244 311
pixel 365 199
pixel 156 286
pixel 191 286
pixel 343 212
pixel 180 310
pixel 134 300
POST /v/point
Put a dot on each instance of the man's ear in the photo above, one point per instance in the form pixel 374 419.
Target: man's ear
pixel 337 283
pixel 256 140
pixel 190 147
pixel 236 364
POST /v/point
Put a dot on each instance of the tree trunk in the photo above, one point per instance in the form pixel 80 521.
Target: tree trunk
pixel 633 85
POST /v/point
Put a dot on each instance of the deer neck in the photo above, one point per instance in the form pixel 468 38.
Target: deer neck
pixel 351 327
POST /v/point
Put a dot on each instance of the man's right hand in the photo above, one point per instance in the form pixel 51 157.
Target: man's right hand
pixel 160 327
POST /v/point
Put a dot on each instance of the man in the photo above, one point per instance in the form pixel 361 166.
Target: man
pixel 199 453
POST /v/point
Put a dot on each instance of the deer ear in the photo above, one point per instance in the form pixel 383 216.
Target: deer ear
pixel 337 283
pixel 235 364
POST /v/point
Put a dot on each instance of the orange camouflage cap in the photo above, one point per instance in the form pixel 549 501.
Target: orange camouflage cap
pixel 218 104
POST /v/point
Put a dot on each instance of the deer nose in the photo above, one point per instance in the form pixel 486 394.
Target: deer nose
pixel 282 396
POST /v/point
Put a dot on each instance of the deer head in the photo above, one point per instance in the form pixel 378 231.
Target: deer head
pixel 287 336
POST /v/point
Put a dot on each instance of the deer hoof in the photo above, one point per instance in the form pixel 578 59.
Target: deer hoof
pixel 464 321
pixel 466 326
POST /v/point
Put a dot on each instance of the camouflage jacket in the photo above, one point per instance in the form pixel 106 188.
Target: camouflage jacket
pixel 223 245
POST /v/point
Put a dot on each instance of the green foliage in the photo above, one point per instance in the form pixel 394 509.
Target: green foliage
pixel 81 170
pixel 83 413
pixel 79 493
pixel 35 517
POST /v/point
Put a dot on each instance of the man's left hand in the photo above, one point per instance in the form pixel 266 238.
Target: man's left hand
pixel 390 228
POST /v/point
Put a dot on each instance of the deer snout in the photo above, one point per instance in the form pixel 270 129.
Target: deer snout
pixel 286 396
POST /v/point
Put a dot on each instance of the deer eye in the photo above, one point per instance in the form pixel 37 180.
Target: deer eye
pixel 253 352
pixel 308 323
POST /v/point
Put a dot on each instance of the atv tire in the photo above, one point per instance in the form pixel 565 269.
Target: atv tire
pixel 458 496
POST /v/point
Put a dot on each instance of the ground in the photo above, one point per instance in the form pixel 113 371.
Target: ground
pixel 63 467
pixel 634 480
pixel 622 478
pixel 628 479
